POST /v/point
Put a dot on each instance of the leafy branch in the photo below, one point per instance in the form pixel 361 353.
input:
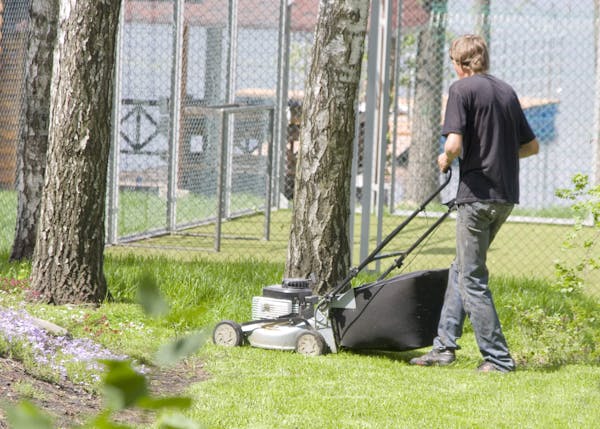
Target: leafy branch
pixel 585 200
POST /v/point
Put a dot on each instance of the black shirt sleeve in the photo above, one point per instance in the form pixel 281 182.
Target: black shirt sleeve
pixel 524 132
pixel 455 118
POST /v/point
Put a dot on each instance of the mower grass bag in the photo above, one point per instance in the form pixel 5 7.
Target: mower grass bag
pixel 396 314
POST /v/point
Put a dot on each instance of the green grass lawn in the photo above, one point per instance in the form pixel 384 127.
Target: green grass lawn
pixel 143 211
pixel 520 249
pixel 252 388
pixel 557 384
pixel 553 334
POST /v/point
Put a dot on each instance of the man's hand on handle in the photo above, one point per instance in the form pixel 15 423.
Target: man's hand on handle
pixel 452 149
pixel 444 162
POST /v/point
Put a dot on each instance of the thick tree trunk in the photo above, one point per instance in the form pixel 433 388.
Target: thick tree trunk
pixel 426 124
pixel 68 259
pixel 319 241
pixel 34 136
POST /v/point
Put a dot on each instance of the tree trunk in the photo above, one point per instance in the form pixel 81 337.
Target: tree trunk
pixel 68 258
pixel 33 143
pixel 482 9
pixel 319 241
pixel 426 124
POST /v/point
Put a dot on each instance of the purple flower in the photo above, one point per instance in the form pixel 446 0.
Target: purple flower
pixel 51 350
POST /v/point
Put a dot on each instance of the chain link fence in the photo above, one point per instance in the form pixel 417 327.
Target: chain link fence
pixel 13 39
pixel 208 98
pixel 195 134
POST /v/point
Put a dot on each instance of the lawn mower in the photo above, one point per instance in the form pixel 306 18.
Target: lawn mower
pixel 396 314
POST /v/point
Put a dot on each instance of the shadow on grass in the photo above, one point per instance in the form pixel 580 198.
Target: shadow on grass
pixel 465 361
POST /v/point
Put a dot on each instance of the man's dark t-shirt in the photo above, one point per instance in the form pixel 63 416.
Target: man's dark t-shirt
pixel 487 113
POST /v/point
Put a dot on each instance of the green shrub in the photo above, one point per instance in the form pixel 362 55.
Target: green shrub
pixel 546 324
pixel 586 207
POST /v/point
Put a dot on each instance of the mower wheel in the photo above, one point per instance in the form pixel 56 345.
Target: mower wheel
pixel 310 343
pixel 228 333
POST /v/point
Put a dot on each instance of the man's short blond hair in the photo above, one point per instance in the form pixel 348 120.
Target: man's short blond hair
pixel 470 51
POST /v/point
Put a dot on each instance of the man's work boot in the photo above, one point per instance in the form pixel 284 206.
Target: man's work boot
pixel 435 357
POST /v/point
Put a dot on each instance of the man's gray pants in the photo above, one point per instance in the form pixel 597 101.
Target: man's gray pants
pixel 468 293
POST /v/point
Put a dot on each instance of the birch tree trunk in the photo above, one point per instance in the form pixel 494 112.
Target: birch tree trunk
pixel 67 265
pixel 33 143
pixel 319 241
pixel 426 124
pixel 1 20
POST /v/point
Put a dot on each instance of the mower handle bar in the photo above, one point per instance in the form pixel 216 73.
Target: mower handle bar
pixel 374 254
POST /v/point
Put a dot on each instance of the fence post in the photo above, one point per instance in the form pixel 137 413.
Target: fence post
pixel 112 206
pixel 596 124
pixel 281 123
pixel 397 52
pixel 376 117
pixel 269 178
pixel 176 79
pixel 221 178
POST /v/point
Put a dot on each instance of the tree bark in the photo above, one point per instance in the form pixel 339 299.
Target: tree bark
pixel 426 124
pixel 68 258
pixel 33 144
pixel 319 241
pixel 483 26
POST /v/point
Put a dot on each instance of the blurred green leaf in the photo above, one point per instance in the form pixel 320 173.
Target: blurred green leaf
pixel 150 403
pixel 25 415
pixel 102 421
pixel 178 421
pixel 122 385
pixel 149 296
pixel 182 347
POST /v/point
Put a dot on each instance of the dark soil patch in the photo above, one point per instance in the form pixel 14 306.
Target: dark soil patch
pixel 71 405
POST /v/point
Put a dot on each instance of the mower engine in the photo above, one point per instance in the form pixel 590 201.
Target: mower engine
pixel 285 317
pixel 293 297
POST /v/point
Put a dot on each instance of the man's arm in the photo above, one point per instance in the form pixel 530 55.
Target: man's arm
pixel 452 149
pixel 529 148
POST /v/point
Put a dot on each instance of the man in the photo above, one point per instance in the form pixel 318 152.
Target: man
pixel 487 130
